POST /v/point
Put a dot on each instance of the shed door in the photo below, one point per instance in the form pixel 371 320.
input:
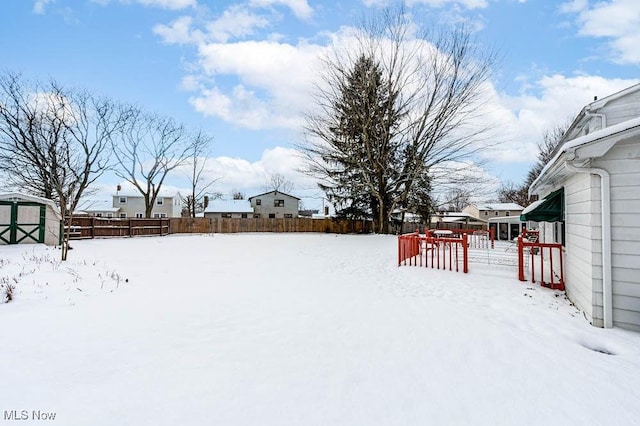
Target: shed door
pixel 21 222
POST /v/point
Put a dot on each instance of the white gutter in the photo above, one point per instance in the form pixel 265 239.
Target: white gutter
pixel 605 196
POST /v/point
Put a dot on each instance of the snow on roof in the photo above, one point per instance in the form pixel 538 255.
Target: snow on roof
pixel 19 196
pixel 595 137
pixel 229 206
pixel 134 193
pixel 499 206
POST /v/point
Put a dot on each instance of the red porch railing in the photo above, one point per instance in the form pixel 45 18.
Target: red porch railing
pixel 434 252
pixel 544 261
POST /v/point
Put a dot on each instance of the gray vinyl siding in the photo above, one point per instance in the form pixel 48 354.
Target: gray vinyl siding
pixel 135 204
pixel 622 109
pixel 623 163
pixel 267 206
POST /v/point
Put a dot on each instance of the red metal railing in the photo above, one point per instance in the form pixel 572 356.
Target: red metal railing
pixel 434 252
pixel 545 263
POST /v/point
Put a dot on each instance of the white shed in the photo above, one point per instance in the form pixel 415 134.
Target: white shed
pixel 593 181
pixel 28 219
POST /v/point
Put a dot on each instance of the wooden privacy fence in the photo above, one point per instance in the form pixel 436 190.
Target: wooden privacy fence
pixel 296 224
pixel 435 252
pixel 543 261
pixel 97 227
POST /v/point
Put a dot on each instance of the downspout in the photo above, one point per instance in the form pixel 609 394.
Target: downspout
pixel 605 200
pixel 603 117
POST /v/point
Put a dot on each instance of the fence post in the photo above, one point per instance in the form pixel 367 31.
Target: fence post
pixel 520 258
pixel 465 253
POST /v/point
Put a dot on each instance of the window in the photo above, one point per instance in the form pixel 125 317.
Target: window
pixel 256 216
pixel 159 215
pixel 486 213
pixel 288 216
pixel 244 215
pixel 507 213
pixel 98 214
pixel 225 215
pixel 496 213
pixel 123 200
pixel 278 203
pixel 160 201
pixel 123 215
pixel 258 202
pixel 272 215
pixel 139 215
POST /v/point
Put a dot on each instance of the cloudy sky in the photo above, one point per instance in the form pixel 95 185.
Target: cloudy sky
pixel 242 71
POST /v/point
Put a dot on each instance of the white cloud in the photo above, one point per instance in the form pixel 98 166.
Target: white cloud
pixel 615 20
pixel 300 8
pixel 469 4
pixel 237 21
pixel 40 5
pixel 178 32
pixel 251 177
pixel 274 81
pixel 169 4
pixel 164 4
pixel 524 118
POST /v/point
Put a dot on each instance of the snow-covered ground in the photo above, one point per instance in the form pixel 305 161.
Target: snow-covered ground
pixel 297 329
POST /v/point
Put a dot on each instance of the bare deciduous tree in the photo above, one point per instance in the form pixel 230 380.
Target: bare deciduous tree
pixel 519 194
pixel 278 182
pixel 54 141
pixel 194 202
pixel 149 148
pixel 391 108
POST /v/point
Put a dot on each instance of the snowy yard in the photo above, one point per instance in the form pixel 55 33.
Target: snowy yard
pixel 297 329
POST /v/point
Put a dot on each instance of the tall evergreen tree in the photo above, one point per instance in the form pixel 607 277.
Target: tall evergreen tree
pixel 361 155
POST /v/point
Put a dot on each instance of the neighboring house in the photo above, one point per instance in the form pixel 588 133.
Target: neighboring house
pixel 503 218
pixel 456 220
pixel 99 208
pixel 589 196
pixel 486 211
pixel 275 204
pixel 229 209
pixel 506 227
pixel 131 204
pixel 28 219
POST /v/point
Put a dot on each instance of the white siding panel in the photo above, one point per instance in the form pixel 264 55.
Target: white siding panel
pixel 580 224
pixel 623 163
pixel 629 320
pixel 626 288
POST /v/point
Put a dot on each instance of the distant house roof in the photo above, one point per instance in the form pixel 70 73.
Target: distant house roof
pixel 453 217
pixel 131 192
pixel 276 193
pixel 229 206
pixel 499 206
